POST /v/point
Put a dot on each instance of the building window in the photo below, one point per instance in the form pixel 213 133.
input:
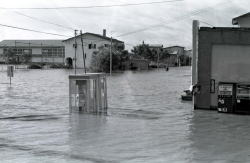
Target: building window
pixel 92 46
pixel 106 45
pixel 18 51
pixel 26 51
pixel 53 52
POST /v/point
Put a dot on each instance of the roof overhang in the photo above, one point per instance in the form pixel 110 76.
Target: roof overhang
pixel 235 20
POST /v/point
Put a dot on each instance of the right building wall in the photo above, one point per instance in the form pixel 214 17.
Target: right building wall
pixel 223 56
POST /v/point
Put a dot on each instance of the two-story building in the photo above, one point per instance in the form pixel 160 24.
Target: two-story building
pixel 91 42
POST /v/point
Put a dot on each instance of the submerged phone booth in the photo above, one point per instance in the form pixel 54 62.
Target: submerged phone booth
pixel 88 93
pixel 234 97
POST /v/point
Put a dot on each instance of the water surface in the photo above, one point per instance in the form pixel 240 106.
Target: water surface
pixel 146 122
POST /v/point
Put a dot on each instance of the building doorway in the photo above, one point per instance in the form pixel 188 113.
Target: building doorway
pixel 69 62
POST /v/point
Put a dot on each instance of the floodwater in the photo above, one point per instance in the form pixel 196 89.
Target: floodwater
pixel 146 122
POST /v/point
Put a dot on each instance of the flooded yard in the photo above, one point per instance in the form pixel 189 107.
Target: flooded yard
pixel 146 122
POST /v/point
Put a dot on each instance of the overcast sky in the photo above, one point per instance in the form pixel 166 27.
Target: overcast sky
pixel 168 23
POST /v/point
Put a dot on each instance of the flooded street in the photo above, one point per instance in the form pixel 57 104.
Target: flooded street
pixel 146 122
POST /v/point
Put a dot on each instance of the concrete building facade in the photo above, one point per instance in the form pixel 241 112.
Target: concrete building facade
pixel 223 56
pixel 36 51
pixel 91 42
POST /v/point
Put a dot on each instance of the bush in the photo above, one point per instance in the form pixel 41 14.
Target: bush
pixel 100 61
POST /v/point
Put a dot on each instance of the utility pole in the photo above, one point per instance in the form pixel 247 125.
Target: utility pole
pixel 84 66
pixel 158 58
pixel 29 54
pixel 42 53
pixel 110 56
pixel 16 56
pixel 75 46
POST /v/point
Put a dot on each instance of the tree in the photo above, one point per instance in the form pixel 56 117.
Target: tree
pixel 185 60
pixel 26 58
pixel 100 61
pixel 10 56
pixel 146 52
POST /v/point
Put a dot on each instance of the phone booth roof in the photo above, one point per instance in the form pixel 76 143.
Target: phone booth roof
pixel 87 76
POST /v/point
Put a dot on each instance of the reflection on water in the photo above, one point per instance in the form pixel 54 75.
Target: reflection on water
pixel 146 122
pixel 220 137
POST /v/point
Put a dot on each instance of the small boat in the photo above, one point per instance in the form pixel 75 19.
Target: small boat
pixel 34 66
pixel 188 96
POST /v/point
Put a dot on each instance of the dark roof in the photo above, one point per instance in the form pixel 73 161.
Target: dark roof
pixel 223 29
pixel 25 43
pixel 235 22
pixel 173 47
pixel 97 35
pixel 155 45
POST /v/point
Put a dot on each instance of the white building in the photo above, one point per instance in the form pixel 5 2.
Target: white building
pixel 56 51
pixel 242 21
pixel 37 51
pixel 91 42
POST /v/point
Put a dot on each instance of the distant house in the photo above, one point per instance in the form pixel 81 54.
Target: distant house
pixel 178 50
pixel 91 42
pixel 32 51
pixel 242 21
pixel 139 64
pixel 136 62
pixel 173 53
pixel 188 53
pixel 157 48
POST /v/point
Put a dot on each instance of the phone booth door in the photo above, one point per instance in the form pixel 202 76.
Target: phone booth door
pixel 82 95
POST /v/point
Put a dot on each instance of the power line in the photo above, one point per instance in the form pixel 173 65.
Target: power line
pixel 37 44
pixel 44 21
pixel 129 44
pixel 31 30
pixel 195 12
pixel 206 23
pixel 95 6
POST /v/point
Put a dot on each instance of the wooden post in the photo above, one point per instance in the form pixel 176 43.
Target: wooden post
pixel 110 66
pixel 75 49
pixel 84 66
pixel 10 72
pixel 195 52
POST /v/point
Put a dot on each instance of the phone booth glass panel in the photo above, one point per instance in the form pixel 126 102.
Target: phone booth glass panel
pixel 88 93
